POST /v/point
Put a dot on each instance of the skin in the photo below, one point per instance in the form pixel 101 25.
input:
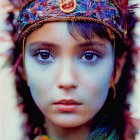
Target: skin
pixel 75 69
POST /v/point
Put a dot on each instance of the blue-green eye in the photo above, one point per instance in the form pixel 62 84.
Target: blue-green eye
pixel 44 56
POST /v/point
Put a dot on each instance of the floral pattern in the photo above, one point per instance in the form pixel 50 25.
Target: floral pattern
pixel 102 10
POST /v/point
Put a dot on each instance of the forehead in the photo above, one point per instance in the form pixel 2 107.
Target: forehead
pixel 58 32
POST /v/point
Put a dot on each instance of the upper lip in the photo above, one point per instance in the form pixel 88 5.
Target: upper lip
pixel 67 102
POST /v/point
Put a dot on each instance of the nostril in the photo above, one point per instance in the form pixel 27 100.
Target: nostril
pixel 67 87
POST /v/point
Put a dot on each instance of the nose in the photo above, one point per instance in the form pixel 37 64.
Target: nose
pixel 67 76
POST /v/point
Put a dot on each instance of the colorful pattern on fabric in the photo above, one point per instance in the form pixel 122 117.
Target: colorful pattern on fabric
pixel 42 11
pixel 43 137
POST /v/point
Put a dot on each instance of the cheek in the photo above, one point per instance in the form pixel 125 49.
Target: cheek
pixel 95 83
pixel 41 81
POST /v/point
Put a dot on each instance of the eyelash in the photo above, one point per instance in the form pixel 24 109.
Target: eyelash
pixel 39 56
pixel 51 58
pixel 94 55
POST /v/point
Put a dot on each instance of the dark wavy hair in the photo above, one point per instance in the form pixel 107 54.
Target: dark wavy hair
pixel 112 114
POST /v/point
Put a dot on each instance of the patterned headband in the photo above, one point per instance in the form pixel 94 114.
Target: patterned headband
pixel 37 12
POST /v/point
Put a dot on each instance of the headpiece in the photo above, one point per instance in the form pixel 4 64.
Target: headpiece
pixel 37 12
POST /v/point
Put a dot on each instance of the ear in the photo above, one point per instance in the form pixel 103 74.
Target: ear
pixel 119 67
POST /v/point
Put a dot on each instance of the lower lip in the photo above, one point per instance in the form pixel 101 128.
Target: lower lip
pixel 67 108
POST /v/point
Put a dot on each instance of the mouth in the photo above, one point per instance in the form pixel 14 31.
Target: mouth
pixel 67 105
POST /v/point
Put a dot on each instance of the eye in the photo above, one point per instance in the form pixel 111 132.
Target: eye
pixel 89 56
pixel 44 56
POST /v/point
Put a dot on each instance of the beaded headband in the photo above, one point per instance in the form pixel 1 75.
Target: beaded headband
pixel 37 12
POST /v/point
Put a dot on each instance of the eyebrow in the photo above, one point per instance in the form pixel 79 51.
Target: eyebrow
pixel 91 43
pixel 43 44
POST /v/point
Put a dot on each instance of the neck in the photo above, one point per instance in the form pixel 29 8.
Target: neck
pixel 60 133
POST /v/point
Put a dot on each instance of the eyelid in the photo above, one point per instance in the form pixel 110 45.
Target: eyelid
pixel 38 51
pixel 94 48
pixel 37 55
pixel 96 57
pixel 91 51
pixel 36 47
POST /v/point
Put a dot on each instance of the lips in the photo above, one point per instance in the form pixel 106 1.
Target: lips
pixel 67 102
pixel 67 105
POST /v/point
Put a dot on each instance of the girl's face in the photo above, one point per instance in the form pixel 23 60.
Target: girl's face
pixel 69 78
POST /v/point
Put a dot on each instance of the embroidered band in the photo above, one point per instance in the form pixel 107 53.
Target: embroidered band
pixel 37 12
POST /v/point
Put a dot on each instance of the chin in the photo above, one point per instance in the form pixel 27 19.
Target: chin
pixel 68 124
pixel 69 121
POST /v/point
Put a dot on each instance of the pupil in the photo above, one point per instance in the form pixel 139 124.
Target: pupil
pixel 89 56
pixel 45 55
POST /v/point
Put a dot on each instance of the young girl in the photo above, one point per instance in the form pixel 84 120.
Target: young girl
pixel 76 69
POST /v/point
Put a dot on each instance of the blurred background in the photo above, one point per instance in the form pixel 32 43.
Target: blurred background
pixel 11 119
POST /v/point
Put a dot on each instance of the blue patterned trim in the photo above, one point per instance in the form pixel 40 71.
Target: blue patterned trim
pixel 38 12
